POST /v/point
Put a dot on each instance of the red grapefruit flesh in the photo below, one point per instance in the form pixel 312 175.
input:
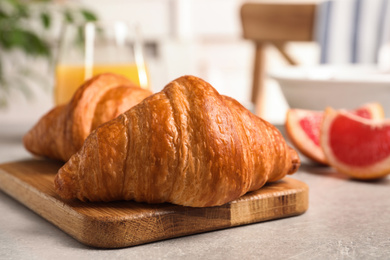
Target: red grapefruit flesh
pixel 303 128
pixel 356 146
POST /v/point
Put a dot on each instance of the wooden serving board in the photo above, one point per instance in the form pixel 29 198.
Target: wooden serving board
pixel 128 223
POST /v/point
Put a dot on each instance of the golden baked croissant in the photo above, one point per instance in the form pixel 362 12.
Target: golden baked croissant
pixel 186 145
pixel 61 132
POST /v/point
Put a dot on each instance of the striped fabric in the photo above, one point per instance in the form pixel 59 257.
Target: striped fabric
pixel 352 31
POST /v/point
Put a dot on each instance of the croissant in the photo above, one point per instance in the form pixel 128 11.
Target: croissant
pixel 187 145
pixel 61 132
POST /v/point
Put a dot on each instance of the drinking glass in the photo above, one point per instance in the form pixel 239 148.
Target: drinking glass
pixel 94 48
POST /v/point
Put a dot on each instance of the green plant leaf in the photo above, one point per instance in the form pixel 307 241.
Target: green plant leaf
pixel 88 15
pixel 25 40
pixel 21 10
pixel 5 41
pixel 68 16
pixel 79 40
pixel 46 20
pixel 3 15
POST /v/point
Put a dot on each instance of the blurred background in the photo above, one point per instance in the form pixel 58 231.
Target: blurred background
pixel 180 37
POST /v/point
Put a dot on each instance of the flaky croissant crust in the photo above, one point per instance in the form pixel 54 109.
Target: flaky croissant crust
pixel 61 132
pixel 185 145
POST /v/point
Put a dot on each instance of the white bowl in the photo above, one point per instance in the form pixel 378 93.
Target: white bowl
pixel 347 87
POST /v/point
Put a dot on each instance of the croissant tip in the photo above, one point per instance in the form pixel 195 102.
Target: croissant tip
pixel 295 161
pixel 62 186
pixel 294 167
pixel 28 141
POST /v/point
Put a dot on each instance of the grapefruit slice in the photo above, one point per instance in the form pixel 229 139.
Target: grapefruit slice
pixel 356 146
pixel 303 128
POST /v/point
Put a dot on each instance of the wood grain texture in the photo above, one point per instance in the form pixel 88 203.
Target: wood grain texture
pixel 278 22
pixel 128 223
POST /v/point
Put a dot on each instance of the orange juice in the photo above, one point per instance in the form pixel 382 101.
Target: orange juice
pixel 70 77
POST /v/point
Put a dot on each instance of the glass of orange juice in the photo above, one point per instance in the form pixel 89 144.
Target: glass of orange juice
pixel 94 48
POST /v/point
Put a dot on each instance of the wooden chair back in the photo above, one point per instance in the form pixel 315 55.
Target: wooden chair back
pixel 276 24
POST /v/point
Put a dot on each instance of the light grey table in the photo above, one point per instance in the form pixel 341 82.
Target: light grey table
pixel 346 219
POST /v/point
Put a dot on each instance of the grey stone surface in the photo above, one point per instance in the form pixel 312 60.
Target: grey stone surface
pixel 346 219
